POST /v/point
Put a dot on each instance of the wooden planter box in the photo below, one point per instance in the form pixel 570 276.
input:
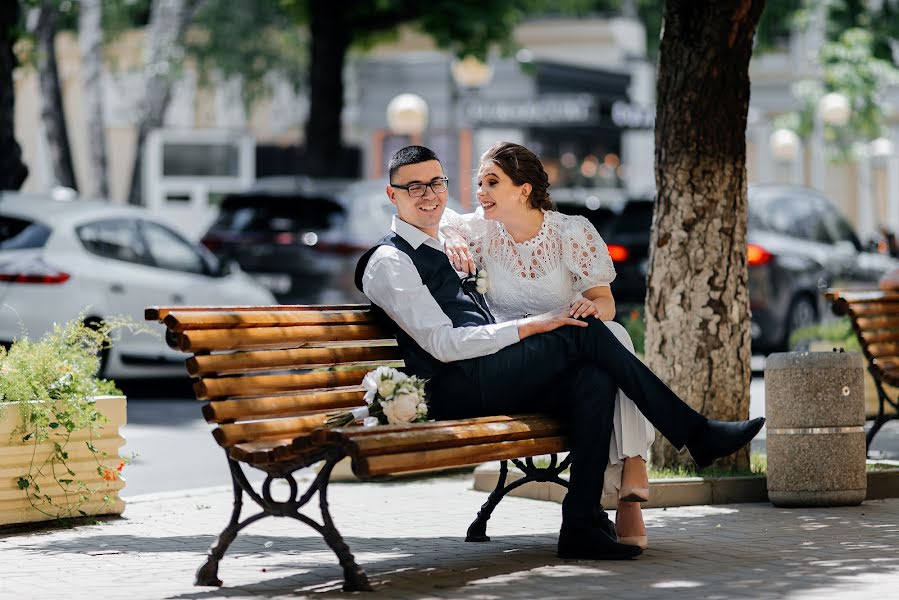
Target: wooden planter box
pixel 15 456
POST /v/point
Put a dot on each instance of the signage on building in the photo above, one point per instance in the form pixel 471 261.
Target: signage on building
pixel 556 109
pixel 633 116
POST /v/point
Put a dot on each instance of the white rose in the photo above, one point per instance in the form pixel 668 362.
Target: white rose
pixel 373 379
pixel 422 409
pixel 386 387
pixel 482 282
pixel 403 408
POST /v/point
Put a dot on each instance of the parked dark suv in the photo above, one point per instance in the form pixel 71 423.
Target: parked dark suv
pixel 798 245
pixel 301 238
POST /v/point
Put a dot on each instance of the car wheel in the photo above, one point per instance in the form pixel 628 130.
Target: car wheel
pixel 802 313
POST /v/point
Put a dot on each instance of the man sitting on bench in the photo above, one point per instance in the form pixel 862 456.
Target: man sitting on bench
pixel 550 362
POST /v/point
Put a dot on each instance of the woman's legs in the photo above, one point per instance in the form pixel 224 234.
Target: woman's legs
pixel 631 439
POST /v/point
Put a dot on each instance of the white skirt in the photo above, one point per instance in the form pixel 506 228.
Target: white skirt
pixel 633 434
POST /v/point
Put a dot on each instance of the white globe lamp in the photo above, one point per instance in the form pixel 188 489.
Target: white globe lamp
pixel 471 72
pixel 834 109
pixel 784 145
pixel 407 114
pixel 882 147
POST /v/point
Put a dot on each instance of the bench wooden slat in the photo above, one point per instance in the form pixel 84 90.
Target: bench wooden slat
pixel 246 409
pixel 448 436
pixel 264 385
pixel 159 313
pixel 326 435
pixel 878 337
pixel 229 434
pixel 878 322
pixel 271 360
pixel 456 457
pixel 261 338
pixel 269 452
pixel 178 321
pixel 883 350
pixel 874 309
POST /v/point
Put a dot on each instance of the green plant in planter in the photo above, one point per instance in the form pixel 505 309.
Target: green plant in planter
pixel 838 332
pixel 54 381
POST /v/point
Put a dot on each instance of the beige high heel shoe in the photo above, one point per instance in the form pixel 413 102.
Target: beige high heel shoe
pixel 642 541
pixel 634 481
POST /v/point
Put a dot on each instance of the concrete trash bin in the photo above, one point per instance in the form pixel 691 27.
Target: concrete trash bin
pixel 815 409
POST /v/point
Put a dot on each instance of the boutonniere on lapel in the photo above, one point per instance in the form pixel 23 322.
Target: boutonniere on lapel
pixel 478 282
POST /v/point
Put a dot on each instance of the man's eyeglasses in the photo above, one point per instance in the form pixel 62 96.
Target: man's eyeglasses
pixel 417 190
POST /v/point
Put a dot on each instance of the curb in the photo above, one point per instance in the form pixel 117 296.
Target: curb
pixel 684 491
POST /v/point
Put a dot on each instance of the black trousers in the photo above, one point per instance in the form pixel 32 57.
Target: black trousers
pixel 573 372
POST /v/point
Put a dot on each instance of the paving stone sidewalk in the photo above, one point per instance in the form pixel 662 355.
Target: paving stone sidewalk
pixel 408 536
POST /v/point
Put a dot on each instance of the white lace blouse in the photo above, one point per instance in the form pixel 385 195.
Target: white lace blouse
pixel 565 258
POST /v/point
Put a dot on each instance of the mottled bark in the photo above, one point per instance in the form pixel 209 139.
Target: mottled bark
pixel 52 110
pixel 329 42
pixel 13 171
pixel 169 20
pixel 90 39
pixel 697 306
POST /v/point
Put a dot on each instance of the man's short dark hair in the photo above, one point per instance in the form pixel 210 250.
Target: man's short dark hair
pixel 410 155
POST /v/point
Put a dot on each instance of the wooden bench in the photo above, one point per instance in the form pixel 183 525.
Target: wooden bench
pixel 875 319
pixel 270 376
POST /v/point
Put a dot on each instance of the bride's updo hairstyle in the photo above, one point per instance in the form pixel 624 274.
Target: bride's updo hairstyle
pixel 522 166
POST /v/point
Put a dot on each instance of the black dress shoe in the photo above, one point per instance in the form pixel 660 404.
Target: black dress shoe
pixel 721 438
pixel 592 542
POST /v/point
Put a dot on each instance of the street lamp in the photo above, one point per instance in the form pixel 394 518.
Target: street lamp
pixel 471 72
pixel 832 109
pixel 407 114
pixel 784 145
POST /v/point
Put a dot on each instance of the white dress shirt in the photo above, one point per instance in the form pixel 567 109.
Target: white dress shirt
pixel 391 281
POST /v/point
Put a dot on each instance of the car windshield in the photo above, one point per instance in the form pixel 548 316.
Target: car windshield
pixel 635 218
pixel 260 213
pixel 17 234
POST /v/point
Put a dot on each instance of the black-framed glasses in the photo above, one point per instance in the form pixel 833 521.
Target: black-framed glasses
pixel 417 190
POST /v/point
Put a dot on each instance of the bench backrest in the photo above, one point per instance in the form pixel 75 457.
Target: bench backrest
pixel 276 372
pixel 875 319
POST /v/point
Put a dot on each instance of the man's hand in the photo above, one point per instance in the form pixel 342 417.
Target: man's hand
pixel 547 322
pixel 456 249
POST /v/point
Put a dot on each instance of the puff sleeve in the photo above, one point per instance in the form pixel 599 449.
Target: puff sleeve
pixel 586 255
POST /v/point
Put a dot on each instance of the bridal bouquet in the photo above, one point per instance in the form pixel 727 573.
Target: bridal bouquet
pixel 390 397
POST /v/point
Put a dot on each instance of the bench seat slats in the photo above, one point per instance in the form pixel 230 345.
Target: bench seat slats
pixel 874 309
pixel 248 409
pixel 265 385
pixel 456 457
pixel 159 313
pixel 884 350
pixel 879 337
pixel 305 358
pixel 323 436
pixel 261 338
pixel 448 436
pixel 879 322
pixel 229 434
pixel 193 320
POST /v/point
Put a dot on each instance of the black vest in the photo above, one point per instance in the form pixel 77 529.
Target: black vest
pixel 438 275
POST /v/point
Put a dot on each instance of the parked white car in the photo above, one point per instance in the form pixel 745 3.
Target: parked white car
pixel 62 260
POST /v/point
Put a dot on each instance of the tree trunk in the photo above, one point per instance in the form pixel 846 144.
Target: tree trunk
pixel 52 110
pixel 13 171
pixel 169 20
pixel 697 305
pixel 329 42
pixel 90 38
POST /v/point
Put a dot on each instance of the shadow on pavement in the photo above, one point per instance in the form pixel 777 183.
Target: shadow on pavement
pixel 730 553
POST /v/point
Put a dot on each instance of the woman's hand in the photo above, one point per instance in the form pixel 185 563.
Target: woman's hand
pixel 584 307
pixel 456 249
